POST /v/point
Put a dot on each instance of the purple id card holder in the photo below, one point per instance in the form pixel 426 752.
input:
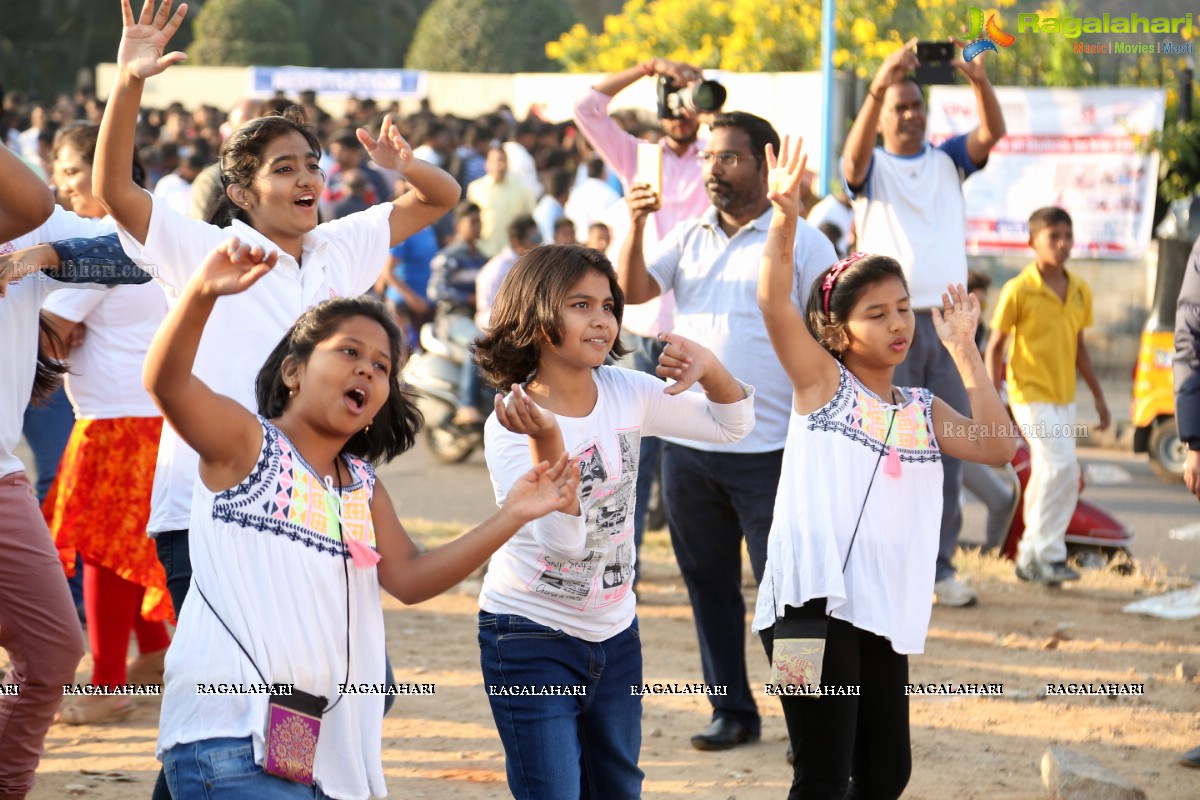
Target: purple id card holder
pixel 293 726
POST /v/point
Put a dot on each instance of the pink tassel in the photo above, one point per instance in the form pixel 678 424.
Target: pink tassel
pixel 892 467
pixel 362 555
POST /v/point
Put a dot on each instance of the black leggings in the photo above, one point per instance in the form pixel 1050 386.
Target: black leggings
pixel 846 747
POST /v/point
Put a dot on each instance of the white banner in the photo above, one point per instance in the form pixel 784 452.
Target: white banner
pixel 1074 148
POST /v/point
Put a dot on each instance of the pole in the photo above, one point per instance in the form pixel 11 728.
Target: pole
pixel 825 173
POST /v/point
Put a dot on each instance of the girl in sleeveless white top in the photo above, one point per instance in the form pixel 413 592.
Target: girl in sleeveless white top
pixel 292 538
pixel 855 532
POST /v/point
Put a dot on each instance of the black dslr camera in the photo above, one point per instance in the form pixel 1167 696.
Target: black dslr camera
pixel 674 100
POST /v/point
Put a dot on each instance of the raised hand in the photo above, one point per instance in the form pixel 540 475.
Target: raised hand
pixel 685 362
pixel 893 69
pixel 390 150
pixel 973 70
pixel 142 43
pixel 785 175
pixel 955 323
pixel 679 72
pixel 232 268
pixel 642 201
pixel 545 488
pixel 520 414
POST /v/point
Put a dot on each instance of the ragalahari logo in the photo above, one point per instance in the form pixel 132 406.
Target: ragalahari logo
pixel 985 37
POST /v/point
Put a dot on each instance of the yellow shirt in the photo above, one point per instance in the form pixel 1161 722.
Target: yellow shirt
pixel 1044 333
pixel 499 204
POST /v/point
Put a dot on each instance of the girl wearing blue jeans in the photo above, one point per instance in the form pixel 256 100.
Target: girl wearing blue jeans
pixel 558 635
pixel 292 539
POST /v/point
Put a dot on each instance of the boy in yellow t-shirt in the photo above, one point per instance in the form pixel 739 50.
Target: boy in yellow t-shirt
pixel 1044 311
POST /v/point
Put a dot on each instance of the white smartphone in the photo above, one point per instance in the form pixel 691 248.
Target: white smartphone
pixel 649 166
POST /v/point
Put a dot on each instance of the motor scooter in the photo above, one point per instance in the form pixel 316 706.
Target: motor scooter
pixel 1095 539
pixel 434 375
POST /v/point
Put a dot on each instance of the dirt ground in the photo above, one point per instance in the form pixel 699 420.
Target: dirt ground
pixel 1025 637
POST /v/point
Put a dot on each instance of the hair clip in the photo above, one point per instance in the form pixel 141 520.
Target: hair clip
pixel 835 272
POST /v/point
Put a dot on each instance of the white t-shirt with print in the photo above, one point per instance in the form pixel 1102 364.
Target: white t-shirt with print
pixel 575 573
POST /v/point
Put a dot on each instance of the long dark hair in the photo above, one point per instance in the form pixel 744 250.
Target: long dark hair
pixel 48 375
pixel 395 427
pixel 528 306
pixel 858 276
pixel 241 156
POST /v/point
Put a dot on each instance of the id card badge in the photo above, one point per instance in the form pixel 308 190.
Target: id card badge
pixel 293 727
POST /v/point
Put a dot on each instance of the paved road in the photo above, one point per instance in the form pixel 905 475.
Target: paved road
pixel 1121 482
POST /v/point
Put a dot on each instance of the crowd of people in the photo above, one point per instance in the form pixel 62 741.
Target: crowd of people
pixel 818 409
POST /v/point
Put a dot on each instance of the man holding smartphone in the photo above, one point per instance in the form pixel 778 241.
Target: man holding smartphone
pixel 908 204
pixel 683 198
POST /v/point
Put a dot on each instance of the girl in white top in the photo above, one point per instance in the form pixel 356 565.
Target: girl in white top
pixel 558 633
pixel 857 445
pixel 292 538
pixel 272 181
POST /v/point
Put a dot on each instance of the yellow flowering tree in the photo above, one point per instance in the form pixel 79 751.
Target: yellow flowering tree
pixel 756 35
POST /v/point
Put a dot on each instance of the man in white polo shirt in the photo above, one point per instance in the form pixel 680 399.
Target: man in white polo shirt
pixel 719 493
pixel 908 204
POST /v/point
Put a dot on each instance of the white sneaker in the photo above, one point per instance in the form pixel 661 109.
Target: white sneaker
pixel 951 592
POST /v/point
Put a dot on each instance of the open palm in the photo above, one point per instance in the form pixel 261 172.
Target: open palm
pixel 785 174
pixel 142 43
pixel 233 267
pixel 955 323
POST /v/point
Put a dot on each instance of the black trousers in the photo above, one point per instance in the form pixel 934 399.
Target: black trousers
pixel 848 747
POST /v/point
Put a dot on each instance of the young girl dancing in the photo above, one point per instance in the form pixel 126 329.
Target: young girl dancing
pixel 854 540
pixel 272 182
pixel 557 608
pixel 291 540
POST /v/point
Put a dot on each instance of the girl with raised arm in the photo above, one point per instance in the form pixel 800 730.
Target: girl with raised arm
pixel 851 555
pixel 292 539
pixel 272 182
pixel 557 608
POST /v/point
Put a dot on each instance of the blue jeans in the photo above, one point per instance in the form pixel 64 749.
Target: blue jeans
pixel 567 746
pixel 47 428
pixel 176 558
pixel 224 769
pixel 713 500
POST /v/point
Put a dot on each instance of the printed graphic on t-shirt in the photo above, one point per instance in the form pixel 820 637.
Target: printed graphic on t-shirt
pixel 606 499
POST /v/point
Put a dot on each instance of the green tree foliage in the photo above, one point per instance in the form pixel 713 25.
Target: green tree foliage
pixel 373 35
pixel 488 35
pixel 45 46
pixel 246 33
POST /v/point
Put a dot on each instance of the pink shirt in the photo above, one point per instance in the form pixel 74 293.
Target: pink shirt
pixel 686 199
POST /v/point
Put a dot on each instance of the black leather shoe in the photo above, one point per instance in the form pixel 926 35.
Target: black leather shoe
pixel 1189 759
pixel 723 734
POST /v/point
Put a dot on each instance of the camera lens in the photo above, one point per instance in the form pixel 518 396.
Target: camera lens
pixel 708 96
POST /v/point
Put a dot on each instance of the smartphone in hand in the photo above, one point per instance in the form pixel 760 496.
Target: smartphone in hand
pixel 935 66
pixel 649 166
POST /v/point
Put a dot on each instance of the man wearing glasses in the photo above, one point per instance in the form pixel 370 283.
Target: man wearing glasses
pixel 716 494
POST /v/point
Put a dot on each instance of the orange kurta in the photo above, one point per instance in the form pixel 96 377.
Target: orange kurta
pixel 100 503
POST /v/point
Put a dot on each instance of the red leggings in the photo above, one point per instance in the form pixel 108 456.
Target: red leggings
pixel 113 609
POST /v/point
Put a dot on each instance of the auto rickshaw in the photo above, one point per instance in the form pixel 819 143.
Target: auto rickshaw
pixel 1153 412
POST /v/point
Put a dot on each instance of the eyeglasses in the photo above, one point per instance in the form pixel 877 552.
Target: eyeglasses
pixel 725 158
